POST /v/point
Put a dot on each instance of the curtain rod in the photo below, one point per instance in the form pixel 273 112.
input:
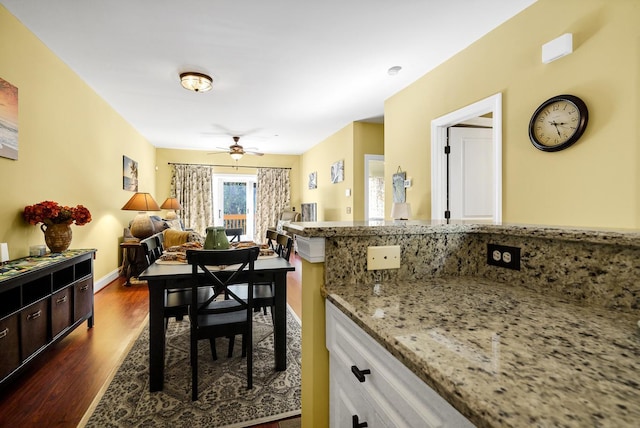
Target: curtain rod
pixel 228 166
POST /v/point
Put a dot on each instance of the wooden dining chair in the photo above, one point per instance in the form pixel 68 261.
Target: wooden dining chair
pixel 217 317
pixel 272 237
pixel 284 246
pixel 234 234
pixel 177 300
pixel 264 290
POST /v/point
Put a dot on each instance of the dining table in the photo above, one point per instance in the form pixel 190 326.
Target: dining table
pixel 160 277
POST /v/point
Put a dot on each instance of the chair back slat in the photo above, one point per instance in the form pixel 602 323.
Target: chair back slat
pixel 234 234
pixel 206 270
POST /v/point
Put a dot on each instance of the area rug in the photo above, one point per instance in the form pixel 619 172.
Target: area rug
pixel 224 400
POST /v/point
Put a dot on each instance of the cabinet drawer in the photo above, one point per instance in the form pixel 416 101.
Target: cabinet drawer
pixel 33 327
pixel 9 345
pixel 401 399
pixel 61 304
pixel 348 406
pixel 83 299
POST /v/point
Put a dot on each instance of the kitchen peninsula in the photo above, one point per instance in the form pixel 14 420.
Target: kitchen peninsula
pixel 555 343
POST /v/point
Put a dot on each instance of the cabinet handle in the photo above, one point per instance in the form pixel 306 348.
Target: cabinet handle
pixel 34 315
pixel 356 422
pixel 61 300
pixel 4 333
pixel 360 373
pixel 84 287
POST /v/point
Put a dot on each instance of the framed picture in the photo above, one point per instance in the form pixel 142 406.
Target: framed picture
pixel 8 120
pixel 399 193
pixel 313 180
pixel 337 171
pixel 308 212
pixel 129 174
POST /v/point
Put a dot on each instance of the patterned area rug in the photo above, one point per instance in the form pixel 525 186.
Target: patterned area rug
pixel 224 400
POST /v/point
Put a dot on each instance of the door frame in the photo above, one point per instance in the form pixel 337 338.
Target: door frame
pixel 492 104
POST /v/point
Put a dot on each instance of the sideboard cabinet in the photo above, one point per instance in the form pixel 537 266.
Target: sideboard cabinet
pixel 42 299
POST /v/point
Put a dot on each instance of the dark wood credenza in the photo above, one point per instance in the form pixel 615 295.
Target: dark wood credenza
pixel 42 299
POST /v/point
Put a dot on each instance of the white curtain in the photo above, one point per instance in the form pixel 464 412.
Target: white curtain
pixel 191 184
pixel 273 197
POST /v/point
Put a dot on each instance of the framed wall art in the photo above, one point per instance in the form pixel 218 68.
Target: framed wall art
pixel 309 211
pixel 8 120
pixel 399 193
pixel 129 174
pixel 313 180
pixel 337 171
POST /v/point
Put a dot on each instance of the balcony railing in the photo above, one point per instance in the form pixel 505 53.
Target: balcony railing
pixel 235 221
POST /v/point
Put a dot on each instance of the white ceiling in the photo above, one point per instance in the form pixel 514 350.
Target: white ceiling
pixel 287 73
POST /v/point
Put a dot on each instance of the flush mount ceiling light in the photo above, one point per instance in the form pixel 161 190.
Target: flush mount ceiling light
pixel 197 82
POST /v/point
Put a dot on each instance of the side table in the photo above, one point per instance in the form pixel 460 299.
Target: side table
pixel 133 260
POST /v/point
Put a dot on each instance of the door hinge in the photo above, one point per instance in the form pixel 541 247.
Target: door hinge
pixel 447 150
pixel 447 214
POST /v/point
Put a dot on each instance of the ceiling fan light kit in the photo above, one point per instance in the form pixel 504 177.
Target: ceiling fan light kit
pixel 236 151
pixel 196 82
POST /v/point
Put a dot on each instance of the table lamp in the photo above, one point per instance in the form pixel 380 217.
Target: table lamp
pixel 401 211
pixel 141 226
pixel 171 204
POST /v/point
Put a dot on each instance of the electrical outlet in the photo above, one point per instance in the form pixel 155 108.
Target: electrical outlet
pixel 383 257
pixel 503 256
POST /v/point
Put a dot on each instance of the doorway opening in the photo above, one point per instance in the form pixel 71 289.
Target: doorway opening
pixel 440 180
pixel 234 202
pixel 373 187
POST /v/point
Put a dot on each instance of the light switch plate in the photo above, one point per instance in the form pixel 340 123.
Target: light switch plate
pixel 383 257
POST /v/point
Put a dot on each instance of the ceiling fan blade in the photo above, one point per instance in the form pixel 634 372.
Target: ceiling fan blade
pixel 247 152
pixel 218 153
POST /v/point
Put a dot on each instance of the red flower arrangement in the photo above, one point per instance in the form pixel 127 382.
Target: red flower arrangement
pixel 49 212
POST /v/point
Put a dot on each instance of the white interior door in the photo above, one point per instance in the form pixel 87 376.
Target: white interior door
pixel 471 173
pixel 488 107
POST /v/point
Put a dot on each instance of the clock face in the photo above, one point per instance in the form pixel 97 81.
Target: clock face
pixel 558 123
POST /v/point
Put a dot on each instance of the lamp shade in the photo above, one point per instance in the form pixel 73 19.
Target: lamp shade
pixel 401 211
pixel 171 204
pixel 141 202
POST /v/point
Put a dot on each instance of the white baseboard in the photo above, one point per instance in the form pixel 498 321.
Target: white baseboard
pixel 105 280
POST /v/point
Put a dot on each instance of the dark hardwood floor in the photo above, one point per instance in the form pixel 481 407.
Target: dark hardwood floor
pixel 57 389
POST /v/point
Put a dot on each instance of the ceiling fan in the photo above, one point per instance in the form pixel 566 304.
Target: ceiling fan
pixel 237 151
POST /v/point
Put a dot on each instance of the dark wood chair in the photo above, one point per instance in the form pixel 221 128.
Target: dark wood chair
pixel 284 246
pixel 234 234
pixel 215 318
pixel 263 290
pixel 272 237
pixel 177 300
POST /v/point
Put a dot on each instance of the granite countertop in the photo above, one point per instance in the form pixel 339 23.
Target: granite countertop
pixel 506 356
pixel 629 237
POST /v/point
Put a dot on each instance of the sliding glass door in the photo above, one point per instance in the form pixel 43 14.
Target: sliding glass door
pixel 234 202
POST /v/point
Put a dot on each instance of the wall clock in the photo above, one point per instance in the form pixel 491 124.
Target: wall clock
pixel 558 123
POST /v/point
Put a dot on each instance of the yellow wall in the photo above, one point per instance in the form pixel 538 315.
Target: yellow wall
pixel 593 183
pixel 350 144
pixel 71 145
